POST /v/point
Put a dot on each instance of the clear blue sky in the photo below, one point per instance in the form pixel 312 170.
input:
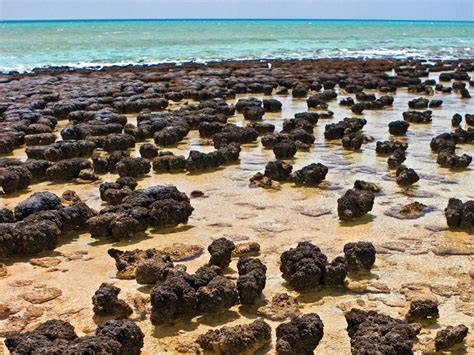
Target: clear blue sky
pixel 340 9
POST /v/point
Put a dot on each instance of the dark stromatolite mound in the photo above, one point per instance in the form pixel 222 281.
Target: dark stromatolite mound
pixel 346 126
pixel 359 256
pixel 127 261
pixel 39 201
pixel 252 279
pixel 371 332
pixel 417 116
pixel 118 337
pixel 305 267
pixel 389 147
pixel 133 167
pixel 173 299
pixel 67 170
pixel 253 113
pixel 336 272
pixel 102 165
pixel 183 296
pixel 42 339
pixel 153 269
pixel 450 336
pixel 241 339
pixel 310 175
pixel 352 141
pixel 459 214
pixel 272 105
pixel 155 206
pixel 115 192
pixel 6 216
pixel 406 176
pixel 61 150
pixel 234 134
pixel 247 102
pixel 126 332
pixel 299 336
pixel 278 170
pixel 148 151
pixel 169 163
pixel 285 149
pixel 421 310
pixel 447 158
pixel 396 159
pixel 366 186
pixel 197 161
pixel 398 128
pixel 217 296
pixel 14 178
pixel 355 203
pixel 106 303
pixel 221 252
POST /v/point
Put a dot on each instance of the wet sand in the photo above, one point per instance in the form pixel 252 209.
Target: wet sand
pixel 416 257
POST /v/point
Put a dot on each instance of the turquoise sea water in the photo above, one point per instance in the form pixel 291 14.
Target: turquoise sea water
pixel 33 44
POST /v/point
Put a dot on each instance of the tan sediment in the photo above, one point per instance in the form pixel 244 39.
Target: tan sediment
pixel 417 257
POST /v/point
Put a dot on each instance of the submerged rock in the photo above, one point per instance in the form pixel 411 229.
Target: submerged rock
pixel 459 214
pixel 355 203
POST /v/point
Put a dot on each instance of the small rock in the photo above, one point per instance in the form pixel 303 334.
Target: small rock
pixel 197 193
pixel 246 249
pixel 183 252
pixel 46 262
pixel 356 286
pixel 282 306
pixel 70 196
pixel 42 295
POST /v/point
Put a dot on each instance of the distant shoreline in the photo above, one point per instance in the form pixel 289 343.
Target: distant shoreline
pixel 237 19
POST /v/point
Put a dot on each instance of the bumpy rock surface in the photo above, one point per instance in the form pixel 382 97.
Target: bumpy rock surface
pixel 406 176
pixel 459 214
pixel 221 252
pixel 310 175
pixel 306 267
pixel 106 302
pixel 252 279
pixel 241 339
pixel 450 336
pixel 359 256
pixel 58 337
pixel 127 262
pixel 355 203
pixel 183 295
pixel 278 171
pixel 155 206
pixel 422 310
pixel 299 336
pixel 371 332
pixel 39 222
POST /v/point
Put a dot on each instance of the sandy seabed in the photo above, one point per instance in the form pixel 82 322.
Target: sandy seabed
pixel 415 257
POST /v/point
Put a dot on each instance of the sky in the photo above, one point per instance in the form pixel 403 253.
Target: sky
pixel 462 10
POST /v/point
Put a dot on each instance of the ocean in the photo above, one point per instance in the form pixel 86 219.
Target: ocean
pixel 39 44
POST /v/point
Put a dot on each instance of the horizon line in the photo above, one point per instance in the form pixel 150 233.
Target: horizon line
pixel 227 19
